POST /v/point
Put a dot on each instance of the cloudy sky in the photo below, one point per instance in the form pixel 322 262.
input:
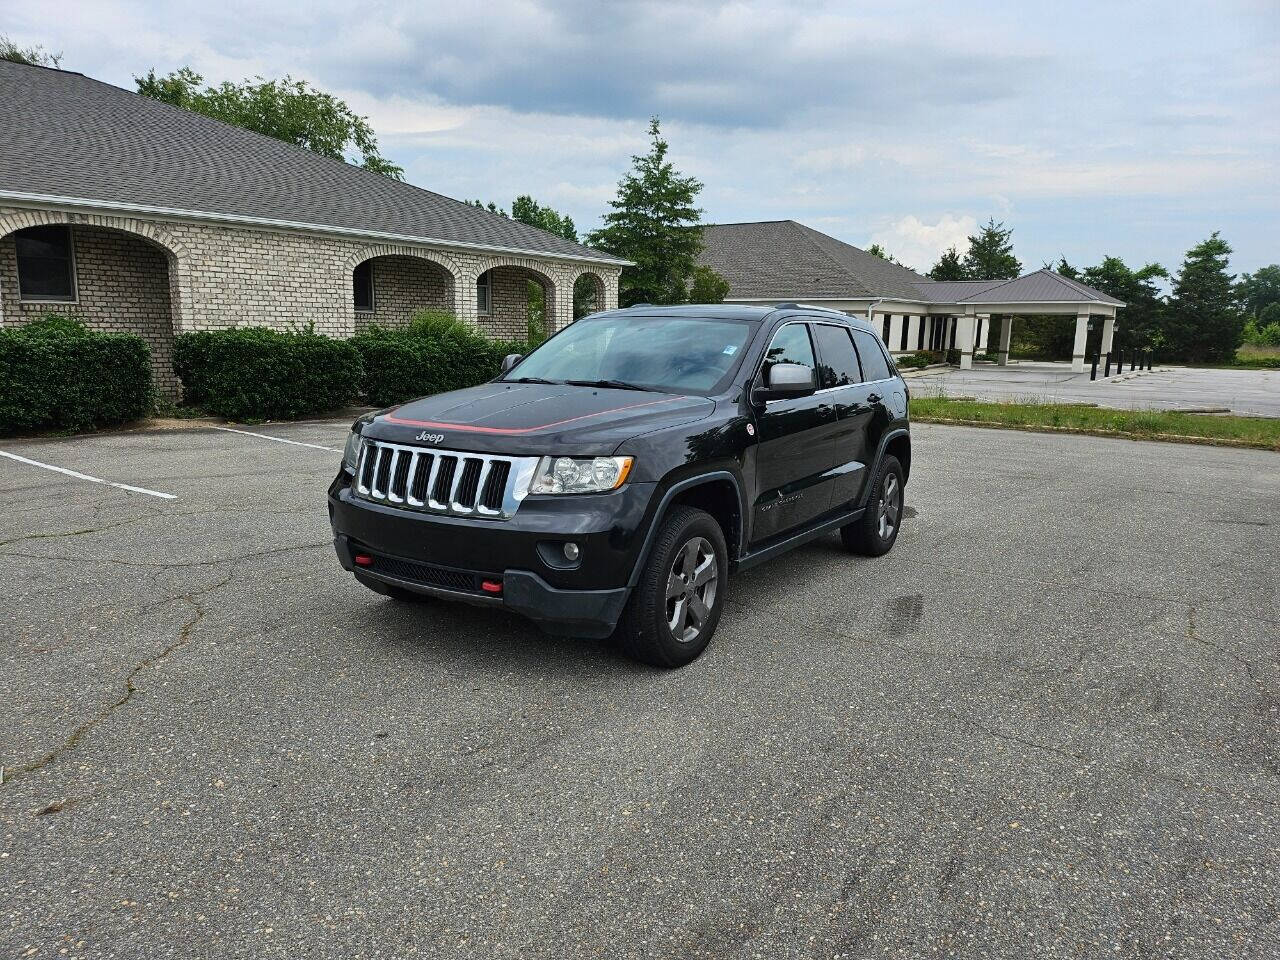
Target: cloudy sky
pixel 1132 129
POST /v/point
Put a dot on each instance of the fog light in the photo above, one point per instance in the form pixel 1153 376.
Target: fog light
pixel 571 552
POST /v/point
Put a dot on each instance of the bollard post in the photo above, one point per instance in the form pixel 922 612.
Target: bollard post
pixel 1107 371
pixel 1093 370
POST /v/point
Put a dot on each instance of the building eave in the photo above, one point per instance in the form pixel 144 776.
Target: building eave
pixel 204 216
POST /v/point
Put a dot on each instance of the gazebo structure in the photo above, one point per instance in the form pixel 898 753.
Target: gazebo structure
pixel 783 260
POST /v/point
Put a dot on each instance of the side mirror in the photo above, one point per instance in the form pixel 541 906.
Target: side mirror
pixel 783 380
pixel 510 360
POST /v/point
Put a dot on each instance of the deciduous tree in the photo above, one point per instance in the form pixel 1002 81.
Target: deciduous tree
pixel 289 110
pixel 35 55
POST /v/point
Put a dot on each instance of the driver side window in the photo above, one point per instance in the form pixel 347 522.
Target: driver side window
pixel 790 345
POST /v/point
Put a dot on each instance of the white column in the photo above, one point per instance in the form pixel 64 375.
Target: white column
pixel 1006 331
pixel 1108 331
pixel 984 334
pixel 967 327
pixel 913 331
pixel 1082 337
pixel 895 333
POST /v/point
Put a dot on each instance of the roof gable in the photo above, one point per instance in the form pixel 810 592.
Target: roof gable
pixel 1043 286
pixel 71 137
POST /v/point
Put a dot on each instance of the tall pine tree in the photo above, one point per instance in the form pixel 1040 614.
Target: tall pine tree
pixel 654 224
pixel 948 266
pixel 1204 324
pixel 990 254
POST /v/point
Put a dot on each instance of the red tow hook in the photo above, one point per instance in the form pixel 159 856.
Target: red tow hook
pixel 491 586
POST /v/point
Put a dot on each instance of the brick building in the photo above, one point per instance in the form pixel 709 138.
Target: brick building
pixel 142 217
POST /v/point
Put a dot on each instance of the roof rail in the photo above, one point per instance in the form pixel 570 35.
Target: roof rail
pixel 639 305
pixel 789 305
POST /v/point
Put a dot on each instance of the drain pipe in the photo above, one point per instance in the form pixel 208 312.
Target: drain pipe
pixel 871 312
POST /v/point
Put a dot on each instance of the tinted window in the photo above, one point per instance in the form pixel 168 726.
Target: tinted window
pixel 874 364
pixel 839 366
pixel 790 345
pixel 44 263
pixel 675 354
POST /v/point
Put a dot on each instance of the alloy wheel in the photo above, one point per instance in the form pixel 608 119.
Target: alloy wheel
pixel 890 507
pixel 691 589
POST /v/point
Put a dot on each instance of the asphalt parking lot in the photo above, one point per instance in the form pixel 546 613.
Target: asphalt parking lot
pixel 1048 723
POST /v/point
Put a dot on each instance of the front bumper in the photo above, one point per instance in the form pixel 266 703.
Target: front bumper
pixel 450 557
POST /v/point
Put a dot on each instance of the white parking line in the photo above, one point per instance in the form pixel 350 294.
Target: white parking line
pixel 296 443
pixel 85 476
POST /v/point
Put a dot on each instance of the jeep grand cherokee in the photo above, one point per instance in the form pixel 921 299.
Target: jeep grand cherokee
pixel 609 482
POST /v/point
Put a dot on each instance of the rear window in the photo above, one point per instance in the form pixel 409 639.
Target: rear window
pixel 875 366
pixel 838 366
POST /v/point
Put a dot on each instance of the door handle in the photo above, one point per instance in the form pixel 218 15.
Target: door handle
pixel 873 397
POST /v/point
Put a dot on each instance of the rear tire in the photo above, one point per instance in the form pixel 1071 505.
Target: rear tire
pixel 873 535
pixel 675 607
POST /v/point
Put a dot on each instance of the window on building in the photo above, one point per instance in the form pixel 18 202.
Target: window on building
pixel 874 364
pixel 484 292
pixel 839 365
pixel 46 263
pixel 362 284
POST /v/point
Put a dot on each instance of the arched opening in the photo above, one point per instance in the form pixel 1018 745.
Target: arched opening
pixel 391 289
pixel 115 280
pixel 516 302
pixel 588 295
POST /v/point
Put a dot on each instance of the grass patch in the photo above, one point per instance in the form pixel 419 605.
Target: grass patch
pixel 1259 432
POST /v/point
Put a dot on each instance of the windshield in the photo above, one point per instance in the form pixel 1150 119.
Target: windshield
pixel 670 354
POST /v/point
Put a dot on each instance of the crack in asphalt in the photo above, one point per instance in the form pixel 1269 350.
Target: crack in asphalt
pixel 185 635
pixel 172 566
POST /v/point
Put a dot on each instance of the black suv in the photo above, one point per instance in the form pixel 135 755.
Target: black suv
pixel 609 482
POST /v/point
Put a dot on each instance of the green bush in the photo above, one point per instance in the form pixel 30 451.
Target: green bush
pixel 429 356
pixel 1257 361
pixel 921 358
pixel 55 374
pixel 255 373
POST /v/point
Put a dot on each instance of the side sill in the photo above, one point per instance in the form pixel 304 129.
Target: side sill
pixel 756 557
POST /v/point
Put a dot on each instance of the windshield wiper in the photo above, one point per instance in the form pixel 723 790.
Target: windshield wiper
pixel 614 384
pixel 531 380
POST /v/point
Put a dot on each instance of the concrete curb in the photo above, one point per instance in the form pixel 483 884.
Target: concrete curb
pixel 1113 434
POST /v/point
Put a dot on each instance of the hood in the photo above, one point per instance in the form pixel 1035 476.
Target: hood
pixel 527 419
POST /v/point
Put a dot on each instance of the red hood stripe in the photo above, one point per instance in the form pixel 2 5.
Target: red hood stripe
pixel 467 428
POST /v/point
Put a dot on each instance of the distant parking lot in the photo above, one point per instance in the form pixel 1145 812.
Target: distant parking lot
pixel 1253 393
pixel 1048 723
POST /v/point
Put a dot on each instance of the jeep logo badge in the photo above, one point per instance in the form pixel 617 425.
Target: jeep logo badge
pixel 425 437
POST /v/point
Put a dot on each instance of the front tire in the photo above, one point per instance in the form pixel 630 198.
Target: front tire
pixel 874 534
pixel 675 607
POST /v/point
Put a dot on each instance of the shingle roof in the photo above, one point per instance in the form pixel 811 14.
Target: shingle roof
pixel 952 291
pixel 787 260
pixel 1042 286
pixel 72 137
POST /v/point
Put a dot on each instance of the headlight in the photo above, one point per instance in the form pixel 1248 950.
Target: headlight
pixel 351 452
pixel 580 474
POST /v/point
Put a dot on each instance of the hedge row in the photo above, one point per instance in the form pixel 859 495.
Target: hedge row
pixel 256 373
pixel 433 354
pixel 55 374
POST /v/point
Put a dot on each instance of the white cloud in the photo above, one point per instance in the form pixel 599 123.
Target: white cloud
pixel 918 244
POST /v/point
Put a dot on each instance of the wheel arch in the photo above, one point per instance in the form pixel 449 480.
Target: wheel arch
pixel 718 492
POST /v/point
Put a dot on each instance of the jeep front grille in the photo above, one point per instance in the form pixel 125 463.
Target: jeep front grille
pixel 442 481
